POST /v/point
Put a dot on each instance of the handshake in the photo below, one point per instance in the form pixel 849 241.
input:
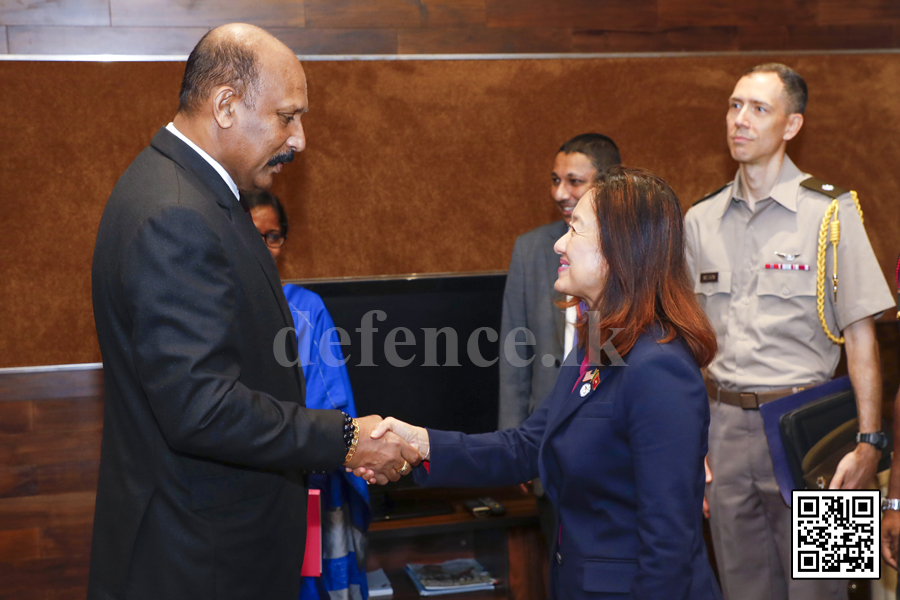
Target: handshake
pixel 387 449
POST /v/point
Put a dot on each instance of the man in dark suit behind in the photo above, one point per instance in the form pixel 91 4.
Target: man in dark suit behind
pixel 525 381
pixel 206 438
pixel 530 319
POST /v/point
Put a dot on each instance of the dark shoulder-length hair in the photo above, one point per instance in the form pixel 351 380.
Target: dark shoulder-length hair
pixel 641 231
pixel 253 200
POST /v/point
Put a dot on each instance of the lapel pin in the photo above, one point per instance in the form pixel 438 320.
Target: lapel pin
pixel 585 390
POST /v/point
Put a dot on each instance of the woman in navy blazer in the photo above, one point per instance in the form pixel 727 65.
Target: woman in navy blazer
pixel 620 442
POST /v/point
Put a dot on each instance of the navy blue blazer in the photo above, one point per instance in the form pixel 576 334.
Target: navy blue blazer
pixel 623 466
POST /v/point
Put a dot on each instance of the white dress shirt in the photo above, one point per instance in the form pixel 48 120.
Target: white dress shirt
pixel 212 162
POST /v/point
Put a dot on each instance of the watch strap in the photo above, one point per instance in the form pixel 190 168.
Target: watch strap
pixel 877 439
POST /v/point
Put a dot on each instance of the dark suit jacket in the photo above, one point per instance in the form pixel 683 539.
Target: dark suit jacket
pixel 528 302
pixel 201 494
pixel 623 467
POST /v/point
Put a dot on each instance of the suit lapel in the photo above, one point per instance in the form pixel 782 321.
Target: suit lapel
pixel 574 399
pixel 206 176
pixel 253 241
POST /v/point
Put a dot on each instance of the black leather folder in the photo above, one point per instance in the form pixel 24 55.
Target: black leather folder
pixel 818 435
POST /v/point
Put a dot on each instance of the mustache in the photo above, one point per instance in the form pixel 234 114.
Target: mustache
pixel 284 157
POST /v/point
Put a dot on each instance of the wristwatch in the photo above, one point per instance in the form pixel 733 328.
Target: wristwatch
pixel 890 504
pixel 877 439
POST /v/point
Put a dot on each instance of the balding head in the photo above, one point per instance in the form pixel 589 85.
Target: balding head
pixel 241 101
pixel 227 55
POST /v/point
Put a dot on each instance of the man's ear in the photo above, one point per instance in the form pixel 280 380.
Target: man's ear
pixel 795 122
pixel 225 100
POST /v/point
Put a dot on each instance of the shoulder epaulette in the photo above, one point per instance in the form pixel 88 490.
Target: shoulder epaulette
pixel 708 196
pixel 817 185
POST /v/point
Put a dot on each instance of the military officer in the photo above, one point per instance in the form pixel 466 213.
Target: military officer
pixel 762 255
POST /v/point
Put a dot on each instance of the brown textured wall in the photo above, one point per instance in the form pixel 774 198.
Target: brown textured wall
pixel 411 166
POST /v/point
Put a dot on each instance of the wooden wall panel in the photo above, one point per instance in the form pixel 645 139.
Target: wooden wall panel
pixel 679 13
pixel 616 15
pixel 208 13
pixel 839 12
pixel 37 385
pixel 17 481
pixel 338 41
pixel 678 39
pixel 485 40
pixel 45 579
pixel 16 417
pixel 55 478
pixel 582 25
pixel 49 461
pixel 104 40
pixel 20 544
pixel 860 36
pixel 336 14
pixel 86 13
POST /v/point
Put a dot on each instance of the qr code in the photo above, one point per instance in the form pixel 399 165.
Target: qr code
pixel 835 534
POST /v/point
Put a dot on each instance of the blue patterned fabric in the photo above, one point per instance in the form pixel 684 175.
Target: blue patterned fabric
pixel 345 498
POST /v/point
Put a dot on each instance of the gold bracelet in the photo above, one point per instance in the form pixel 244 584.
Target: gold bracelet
pixel 352 449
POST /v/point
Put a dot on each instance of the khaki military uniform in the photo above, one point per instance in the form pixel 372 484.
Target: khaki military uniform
pixel 770 339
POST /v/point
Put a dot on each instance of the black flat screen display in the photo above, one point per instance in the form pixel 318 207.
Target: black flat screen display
pixel 404 368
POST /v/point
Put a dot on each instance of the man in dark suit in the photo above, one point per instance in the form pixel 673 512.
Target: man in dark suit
pixel 528 300
pixel 206 439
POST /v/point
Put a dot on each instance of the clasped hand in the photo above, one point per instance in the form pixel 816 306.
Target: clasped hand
pixel 412 442
pixel 381 457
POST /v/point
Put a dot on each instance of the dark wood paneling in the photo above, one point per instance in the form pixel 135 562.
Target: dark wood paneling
pixel 68 415
pixel 16 417
pixel 528 549
pixel 46 448
pixel 394 13
pixel 338 41
pixel 18 481
pixel 484 40
pixel 46 510
pixel 104 40
pixel 673 40
pixel 73 476
pixel 737 38
pixel 49 577
pixel 58 12
pixel 206 13
pixel 841 12
pixel 42 385
pixel 67 537
pixel 762 37
pixel 862 36
pixel 56 478
pixel 630 15
pixel 20 544
pixel 346 26
pixel 681 13
pixel 49 452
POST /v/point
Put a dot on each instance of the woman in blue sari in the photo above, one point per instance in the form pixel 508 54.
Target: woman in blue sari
pixel 344 497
